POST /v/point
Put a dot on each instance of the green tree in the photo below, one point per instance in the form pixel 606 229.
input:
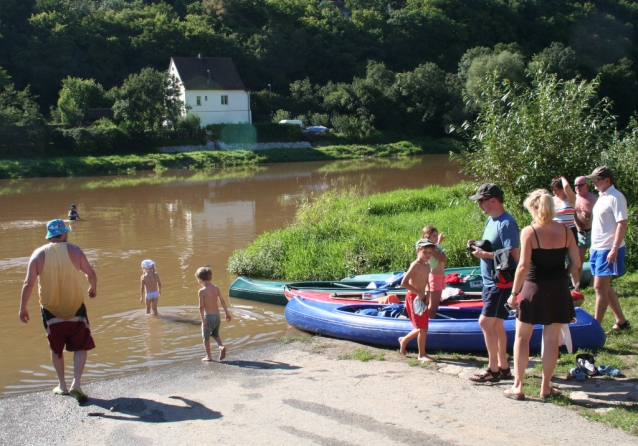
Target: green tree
pixel 19 107
pixel 525 136
pixel 557 58
pixel 146 100
pixel 77 96
pixel 510 66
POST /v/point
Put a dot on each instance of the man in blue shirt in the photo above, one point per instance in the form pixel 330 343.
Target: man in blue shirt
pixel 502 232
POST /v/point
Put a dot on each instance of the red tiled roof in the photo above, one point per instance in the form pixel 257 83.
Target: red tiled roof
pixel 208 73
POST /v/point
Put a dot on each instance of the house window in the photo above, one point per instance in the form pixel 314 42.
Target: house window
pixel 199 100
pixel 225 100
pixel 206 98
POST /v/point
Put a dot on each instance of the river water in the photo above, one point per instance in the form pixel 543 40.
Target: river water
pixel 182 220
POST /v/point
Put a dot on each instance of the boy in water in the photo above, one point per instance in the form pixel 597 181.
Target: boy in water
pixel 73 213
pixel 416 281
pixel 209 310
pixel 151 287
pixel 437 264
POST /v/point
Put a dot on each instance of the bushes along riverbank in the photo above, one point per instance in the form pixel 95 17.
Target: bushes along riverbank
pixel 117 165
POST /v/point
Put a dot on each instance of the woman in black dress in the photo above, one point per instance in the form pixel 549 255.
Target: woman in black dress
pixel 541 289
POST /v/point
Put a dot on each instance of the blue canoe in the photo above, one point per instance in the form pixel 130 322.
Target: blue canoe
pixel 456 330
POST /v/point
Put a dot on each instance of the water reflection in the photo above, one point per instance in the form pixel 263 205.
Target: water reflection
pixel 182 220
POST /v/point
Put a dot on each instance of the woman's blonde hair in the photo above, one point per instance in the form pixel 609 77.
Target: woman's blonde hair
pixel 543 205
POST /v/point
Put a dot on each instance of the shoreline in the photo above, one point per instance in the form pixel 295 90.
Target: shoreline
pixel 74 166
pixel 301 392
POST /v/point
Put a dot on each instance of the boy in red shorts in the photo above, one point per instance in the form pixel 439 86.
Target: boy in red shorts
pixel 416 281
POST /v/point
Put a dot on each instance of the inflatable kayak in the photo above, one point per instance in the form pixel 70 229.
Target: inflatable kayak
pixel 374 297
pixel 456 330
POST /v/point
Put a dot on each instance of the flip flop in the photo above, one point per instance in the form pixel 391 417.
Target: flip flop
pixel 578 373
pixel 59 391
pixel 555 392
pixel 514 396
pixel 608 370
pixel 78 394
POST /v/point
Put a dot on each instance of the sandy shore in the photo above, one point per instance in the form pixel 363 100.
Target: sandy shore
pixel 299 393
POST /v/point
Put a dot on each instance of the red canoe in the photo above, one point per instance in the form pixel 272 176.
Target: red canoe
pixel 349 297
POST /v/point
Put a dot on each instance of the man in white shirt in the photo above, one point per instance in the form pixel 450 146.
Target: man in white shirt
pixel 607 252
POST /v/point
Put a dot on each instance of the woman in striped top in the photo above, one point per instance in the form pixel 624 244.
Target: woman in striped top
pixel 564 200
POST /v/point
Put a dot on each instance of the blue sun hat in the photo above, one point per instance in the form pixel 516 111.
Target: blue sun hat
pixel 56 227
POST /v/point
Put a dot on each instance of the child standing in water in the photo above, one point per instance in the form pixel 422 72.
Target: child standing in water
pixel 209 310
pixel 416 281
pixel 437 265
pixel 151 288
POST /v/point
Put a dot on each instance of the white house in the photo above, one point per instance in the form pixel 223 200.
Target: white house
pixel 212 88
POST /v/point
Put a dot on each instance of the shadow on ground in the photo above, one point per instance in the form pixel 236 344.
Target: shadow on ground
pixel 149 411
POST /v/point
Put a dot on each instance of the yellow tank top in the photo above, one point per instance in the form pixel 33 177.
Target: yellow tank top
pixel 60 288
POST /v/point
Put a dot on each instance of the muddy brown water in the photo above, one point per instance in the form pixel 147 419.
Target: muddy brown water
pixel 180 219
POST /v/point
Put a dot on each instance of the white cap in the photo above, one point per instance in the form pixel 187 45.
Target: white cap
pixel 148 263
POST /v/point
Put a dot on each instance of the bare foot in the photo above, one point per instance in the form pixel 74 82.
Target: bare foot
pixel 222 353
pixel 207 359
pixel 403 349
pixel 426 358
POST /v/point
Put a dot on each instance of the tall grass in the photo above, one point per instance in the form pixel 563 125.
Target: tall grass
pixel 343 232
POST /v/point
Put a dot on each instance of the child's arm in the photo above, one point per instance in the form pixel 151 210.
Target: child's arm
pixel 200 294
pixel 159 285
pixel 142 290
pixel 441 237
pixel 440 256
pixel 223 302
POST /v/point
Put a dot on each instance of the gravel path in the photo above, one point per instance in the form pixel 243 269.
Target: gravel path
pixel 293 394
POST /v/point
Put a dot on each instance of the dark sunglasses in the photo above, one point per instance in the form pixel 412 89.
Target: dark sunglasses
pixel 481 200
pixel 581 184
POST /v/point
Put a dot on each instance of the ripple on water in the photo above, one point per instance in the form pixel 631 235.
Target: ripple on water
pixel 132 342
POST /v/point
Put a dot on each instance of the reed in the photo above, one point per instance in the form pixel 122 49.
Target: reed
pixel 343 232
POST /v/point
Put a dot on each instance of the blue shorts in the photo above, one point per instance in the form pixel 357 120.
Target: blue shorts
pixel 600 267
pixel 494 300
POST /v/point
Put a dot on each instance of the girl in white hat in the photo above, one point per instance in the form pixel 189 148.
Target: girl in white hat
pixel 151 287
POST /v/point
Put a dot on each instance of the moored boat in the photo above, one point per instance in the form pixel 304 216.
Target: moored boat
pixel 273 292
pixel 372 297
pixel 456 330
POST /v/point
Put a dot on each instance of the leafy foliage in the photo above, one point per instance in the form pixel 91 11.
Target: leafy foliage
pixel 525 136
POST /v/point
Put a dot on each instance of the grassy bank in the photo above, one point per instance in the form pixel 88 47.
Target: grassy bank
pixel 342 233
pixel 119 165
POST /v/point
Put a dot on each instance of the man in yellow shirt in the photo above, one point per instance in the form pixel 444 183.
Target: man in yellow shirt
pixel 57 265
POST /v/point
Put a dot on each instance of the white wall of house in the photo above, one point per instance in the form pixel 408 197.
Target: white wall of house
pixel 220 106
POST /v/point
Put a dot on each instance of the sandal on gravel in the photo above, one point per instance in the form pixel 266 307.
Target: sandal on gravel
pixel 505 373
pixel 487 376
pixel 514 396
pixel 618 327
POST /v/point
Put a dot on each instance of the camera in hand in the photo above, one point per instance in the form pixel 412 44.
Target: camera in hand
pixel 485 245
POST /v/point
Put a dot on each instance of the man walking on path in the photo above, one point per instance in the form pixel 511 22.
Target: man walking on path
pixel 502 232
pixel 584 206
pixel 56 265
pixel 607 254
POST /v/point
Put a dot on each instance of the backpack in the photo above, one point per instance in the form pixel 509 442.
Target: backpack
pixel 504 269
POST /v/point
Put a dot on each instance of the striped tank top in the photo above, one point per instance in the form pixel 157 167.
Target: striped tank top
pixel 564 212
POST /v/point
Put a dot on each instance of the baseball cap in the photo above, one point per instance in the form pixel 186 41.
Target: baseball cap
pixel 148 263
pixel 487 190
pixel 56 227
pixel 424 242
pixel 600 172
pixel 72 206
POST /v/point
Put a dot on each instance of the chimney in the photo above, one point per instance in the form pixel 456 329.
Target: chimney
pixel 200 56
